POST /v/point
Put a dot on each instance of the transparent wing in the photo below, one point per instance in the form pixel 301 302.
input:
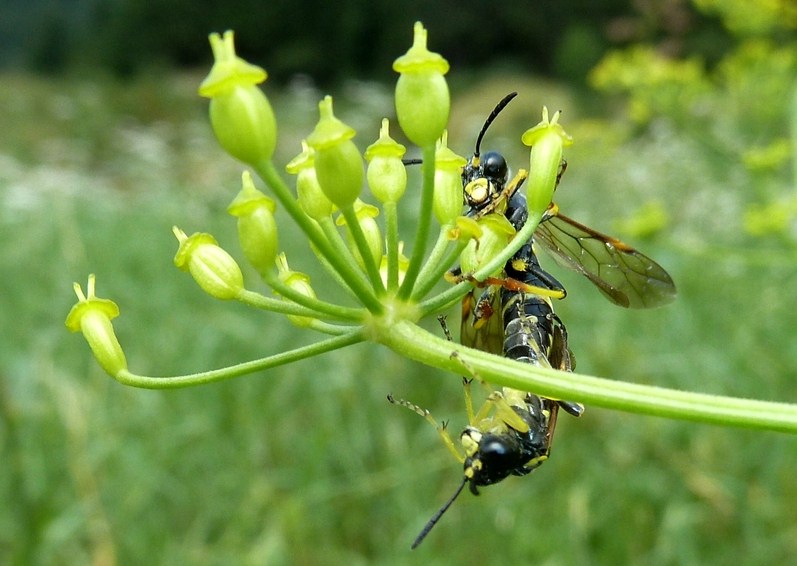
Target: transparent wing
pixel 625 276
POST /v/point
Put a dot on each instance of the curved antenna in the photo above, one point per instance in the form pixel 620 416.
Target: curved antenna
pixel 500 106
pixel 433 521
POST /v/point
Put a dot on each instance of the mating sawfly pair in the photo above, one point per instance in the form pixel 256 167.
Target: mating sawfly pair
pixel 513 316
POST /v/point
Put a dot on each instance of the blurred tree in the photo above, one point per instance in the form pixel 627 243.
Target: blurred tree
pixel 561 39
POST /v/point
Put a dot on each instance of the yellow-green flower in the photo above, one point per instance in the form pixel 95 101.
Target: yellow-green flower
pixel 386 174
pixel 257 229
pixel 338 163
pixel 214 270
pixel 92 317
pixel 422 98
pixel 240 113
pixel 447 201
pixel 300 283
pixel 497 232
pixel 546 140
pixel 312 199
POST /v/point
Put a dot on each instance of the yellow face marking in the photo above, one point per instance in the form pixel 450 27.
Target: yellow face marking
pixel 478 190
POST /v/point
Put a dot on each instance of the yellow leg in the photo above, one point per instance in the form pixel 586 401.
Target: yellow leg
pixel 441 428
pixel 466 381
pixel 468 398
pixel 505 412
pixel 495 399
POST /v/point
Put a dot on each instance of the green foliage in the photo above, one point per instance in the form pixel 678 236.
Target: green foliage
pixel 655 84
pixel 744 107
pixel 752 18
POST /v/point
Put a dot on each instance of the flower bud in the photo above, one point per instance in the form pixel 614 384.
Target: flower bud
pixel 257 229
pixel 312 199
pixel 366 214
pixel 92 317
pixel 465 229
pixel 338 163
pixel 447 202
pixel 211 267
pixel 546 140
pixel 386 174
pixel 422 98
pixel 300 283
pixel 240 113
pixel 497 232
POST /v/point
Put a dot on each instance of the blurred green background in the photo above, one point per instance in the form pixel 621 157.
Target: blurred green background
pixel 684 116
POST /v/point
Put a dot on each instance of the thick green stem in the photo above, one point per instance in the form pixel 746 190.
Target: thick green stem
pixel 412 341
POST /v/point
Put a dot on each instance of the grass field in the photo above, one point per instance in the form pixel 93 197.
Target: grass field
pixel 309 464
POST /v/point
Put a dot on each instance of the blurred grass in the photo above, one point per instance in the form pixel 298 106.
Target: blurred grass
pixel 309 464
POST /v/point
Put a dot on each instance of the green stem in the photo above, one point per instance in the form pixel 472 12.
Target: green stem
pixel 331 233
pixel 258 301
pixel 318 307
pixel 330 271
pixel 412 341
pixel 497 263
pixel 148 382
pixel 440 260
pixel 347 270
pixel 353 225
pixel 391 236
pixel 458 291
pixel 331 329
pixel 424 222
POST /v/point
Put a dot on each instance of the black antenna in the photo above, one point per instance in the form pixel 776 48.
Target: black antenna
pixel 433 521
pixel 500 106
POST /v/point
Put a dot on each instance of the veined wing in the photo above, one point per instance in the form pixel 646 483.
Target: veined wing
pixel 625 276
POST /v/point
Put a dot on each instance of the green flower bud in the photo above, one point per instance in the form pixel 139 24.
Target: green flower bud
pixel 497 232
pixel 422 98
pixel 465 228
pixel 338 163
pixel 366 214
pixel 92 317
pixel 386 174
pixel 257 229
pixel 211 267
pixel 300 283
pixel 240 113
pixel 312 199
pixel 546 140
pixel 447 202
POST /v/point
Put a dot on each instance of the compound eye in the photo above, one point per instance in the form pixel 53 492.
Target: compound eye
pixel 494 166
pixel 493 452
